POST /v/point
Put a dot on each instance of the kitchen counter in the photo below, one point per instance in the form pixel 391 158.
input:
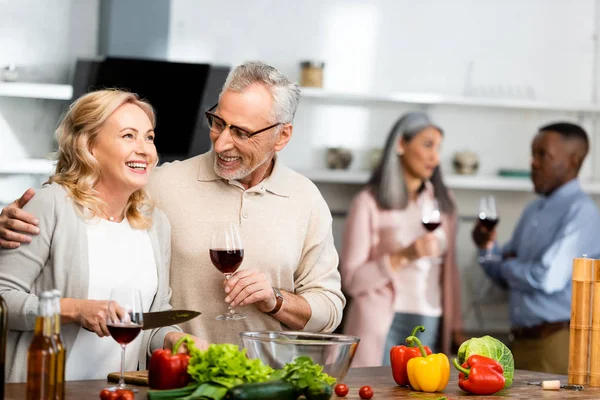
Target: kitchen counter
pixel 379 378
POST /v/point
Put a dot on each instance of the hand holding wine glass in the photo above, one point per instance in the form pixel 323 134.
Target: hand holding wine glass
pixel 124 322
pixel 227 254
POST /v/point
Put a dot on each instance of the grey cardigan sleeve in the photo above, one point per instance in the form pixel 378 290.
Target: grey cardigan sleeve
pixel 21 267
pixel 163 227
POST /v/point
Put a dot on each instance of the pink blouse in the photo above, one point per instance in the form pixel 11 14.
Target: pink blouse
pixel 377 291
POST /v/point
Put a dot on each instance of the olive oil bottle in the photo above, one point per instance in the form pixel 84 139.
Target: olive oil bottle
pixel 41 357
pixel 59 347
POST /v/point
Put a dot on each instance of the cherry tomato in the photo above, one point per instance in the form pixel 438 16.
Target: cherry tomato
pixel 365 392
pixel 341 389
pixel 119 394
pixel 124 394
pixel 105 394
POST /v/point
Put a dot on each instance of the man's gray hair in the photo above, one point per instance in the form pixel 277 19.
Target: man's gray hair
pixel 286 94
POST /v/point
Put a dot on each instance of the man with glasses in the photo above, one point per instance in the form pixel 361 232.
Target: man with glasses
pixel 289 277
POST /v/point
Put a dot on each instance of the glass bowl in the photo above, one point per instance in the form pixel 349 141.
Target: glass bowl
pixel 334 352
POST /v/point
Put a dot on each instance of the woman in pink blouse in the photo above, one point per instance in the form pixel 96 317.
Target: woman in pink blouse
pixel 398 274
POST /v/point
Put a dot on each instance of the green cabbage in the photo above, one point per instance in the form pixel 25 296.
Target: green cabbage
pixel 493 348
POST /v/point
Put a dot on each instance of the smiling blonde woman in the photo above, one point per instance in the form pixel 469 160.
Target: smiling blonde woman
pixel 98 230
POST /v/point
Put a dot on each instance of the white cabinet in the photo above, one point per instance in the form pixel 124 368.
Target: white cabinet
pixel 27 166
pixel 442 99
pixel 44 91
pixel 36 90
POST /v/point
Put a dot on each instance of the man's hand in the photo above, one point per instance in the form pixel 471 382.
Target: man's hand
pixel 14 220
pixel 172 337
pixel 483 237
pixel 250 286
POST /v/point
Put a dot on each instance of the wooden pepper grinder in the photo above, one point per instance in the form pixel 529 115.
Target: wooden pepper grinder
pixel 580 320
pixel 595 332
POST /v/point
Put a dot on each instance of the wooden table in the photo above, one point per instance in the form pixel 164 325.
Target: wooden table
pixel 379 378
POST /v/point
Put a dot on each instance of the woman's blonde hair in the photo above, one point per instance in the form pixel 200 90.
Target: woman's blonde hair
pixel 77 170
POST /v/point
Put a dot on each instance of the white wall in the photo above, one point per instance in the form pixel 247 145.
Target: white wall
pixel 511 47
pixel 43 38
pixel 539 49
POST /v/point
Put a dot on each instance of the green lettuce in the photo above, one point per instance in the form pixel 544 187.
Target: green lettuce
pixel 303 373
pixel 491 347
pixel 226 365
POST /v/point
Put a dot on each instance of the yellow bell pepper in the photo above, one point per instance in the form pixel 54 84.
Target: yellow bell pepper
pixel 429 373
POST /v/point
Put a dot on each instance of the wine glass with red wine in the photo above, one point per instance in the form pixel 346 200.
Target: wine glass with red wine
pixel 227 253
pixel 431 219
pixel 124 322
pixel 488 216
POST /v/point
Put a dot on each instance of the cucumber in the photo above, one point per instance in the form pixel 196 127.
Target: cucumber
pixel 270 390
pixel 155 394
pixel 319 391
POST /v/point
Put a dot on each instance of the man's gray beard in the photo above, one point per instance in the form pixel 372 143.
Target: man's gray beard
pixel 241 172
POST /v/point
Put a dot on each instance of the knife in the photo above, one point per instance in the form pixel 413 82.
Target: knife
pixel 159 319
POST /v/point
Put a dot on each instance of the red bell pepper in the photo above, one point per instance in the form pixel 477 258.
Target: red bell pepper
pixel 399 356
pixel 168 370
pixel 480 375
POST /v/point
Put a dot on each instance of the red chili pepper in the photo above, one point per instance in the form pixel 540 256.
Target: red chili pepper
pixel 480 375
pixel 168 370
pixel 399 356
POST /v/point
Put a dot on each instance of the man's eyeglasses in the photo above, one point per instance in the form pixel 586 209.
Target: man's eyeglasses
pixel 239 135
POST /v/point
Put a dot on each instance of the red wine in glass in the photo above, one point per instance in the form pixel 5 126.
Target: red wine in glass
pixel 123 334
pixel 431 226
pixel 226 261
pixel 489 223
pixel 430 215
pixel 227 253
pixel 488 216
pixel 431 220
pixel 124 322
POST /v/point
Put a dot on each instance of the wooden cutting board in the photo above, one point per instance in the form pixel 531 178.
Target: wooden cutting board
pixel 133 377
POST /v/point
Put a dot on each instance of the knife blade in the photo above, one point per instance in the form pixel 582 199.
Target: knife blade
pixel 159 319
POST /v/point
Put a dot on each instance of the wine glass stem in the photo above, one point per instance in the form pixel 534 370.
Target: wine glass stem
pixel 122 378
pixel 230 309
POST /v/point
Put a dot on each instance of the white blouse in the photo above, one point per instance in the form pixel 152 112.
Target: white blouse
pixel 119 256
pixel 420 280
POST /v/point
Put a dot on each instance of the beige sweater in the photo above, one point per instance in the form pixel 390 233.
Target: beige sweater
pixel 286 229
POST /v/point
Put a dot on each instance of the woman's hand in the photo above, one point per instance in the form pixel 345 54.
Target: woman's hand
pixel 172 337
pixel 427 245
pixel 90 314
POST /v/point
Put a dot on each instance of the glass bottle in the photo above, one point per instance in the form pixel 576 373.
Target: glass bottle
pixel 61 352
pixel 41 357
pixel 3 334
